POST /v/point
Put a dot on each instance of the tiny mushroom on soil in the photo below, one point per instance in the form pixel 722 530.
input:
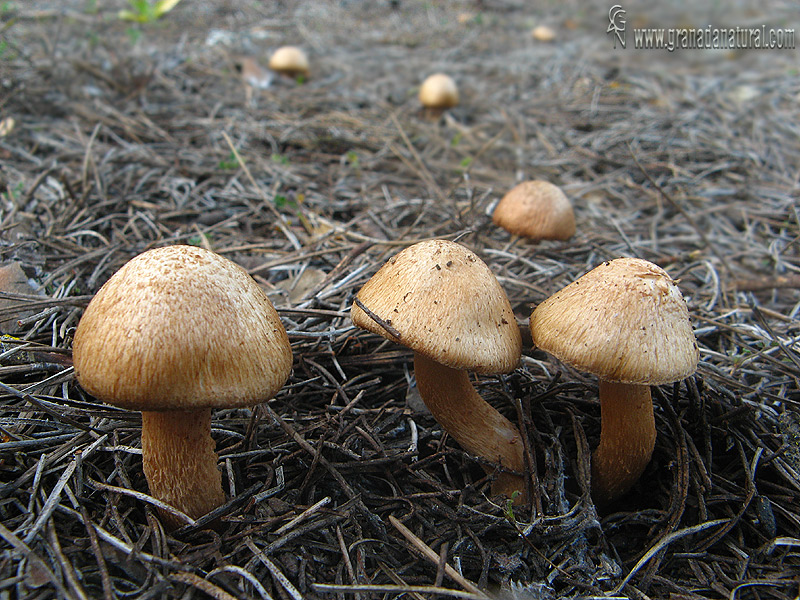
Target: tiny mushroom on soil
pixel 543 33
pixel 626 322
pixel 176 332
pixel 438 92
pixel 442 301
pixel 290 61
pixel 537 210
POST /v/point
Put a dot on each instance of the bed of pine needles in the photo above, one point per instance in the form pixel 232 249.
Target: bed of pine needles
pixel 121 137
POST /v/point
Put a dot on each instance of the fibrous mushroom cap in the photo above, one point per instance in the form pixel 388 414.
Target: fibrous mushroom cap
pixel 445 303
pixel 438 91
pixel 289 59
pixel 536 209
pixel 179 328
pixel 625 321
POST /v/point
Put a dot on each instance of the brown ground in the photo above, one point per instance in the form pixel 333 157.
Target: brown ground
pixel 125 137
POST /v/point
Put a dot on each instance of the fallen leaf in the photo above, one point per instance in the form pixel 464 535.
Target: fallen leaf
pixel 13 282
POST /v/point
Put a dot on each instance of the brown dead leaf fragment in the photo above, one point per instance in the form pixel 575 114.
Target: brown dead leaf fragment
pixel 14 285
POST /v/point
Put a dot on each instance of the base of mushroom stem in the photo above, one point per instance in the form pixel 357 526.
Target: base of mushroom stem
pixel 180 463
pixel 627 439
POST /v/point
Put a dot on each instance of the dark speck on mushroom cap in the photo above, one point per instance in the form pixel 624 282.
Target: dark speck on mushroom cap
pixel 445 303
pixel 624 321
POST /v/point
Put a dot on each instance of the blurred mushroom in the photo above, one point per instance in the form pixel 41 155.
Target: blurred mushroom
pixel 175 332
pixel 543 33
pixel 290 61
pixel 438 93
pixel 443 302
pixel 537 210
pixel 626 322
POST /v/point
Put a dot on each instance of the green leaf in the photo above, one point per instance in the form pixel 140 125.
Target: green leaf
pixel 162 7
pixel 229 163
pixel 197 240
pixel 282 201
pixel 142 11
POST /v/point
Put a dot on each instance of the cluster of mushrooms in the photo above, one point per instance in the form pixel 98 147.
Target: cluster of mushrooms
pixel 536 210
pixel 624 321
pixel 141 344
pixel 437 93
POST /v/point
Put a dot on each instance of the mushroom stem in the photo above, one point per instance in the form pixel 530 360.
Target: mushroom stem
pixel 180 462
pixel 474 423
pixel 627 438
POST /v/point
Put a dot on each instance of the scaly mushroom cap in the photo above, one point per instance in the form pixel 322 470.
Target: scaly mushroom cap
pixel 537 210
pixel 290 60
pixel 438 91
pixel 625 321
pixel 180 328
pixel 445 303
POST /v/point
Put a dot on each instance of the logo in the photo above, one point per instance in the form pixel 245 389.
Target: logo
pixel 616 24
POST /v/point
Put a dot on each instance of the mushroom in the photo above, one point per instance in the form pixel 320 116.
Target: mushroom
pixel 626 322
pixel 438 93
pixel 543 33
pixel 443 302
pixel 290 61
pixel 536 210
pixel 175 332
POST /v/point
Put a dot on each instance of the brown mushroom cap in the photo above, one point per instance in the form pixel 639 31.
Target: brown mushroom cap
pixel 181 328
pixel 537 210
pixel 445 303
pixel 438 91
pixel 624 321
pixel 290 60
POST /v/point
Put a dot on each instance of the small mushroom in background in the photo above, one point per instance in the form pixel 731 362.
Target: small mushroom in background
pixel 176 332
pixel 438 93
pixel 626 322
pixel 543 33
pixel 442 301
pixel 290 61
pixel 537 210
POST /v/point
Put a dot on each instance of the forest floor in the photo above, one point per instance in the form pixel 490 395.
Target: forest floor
pixel 116 137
